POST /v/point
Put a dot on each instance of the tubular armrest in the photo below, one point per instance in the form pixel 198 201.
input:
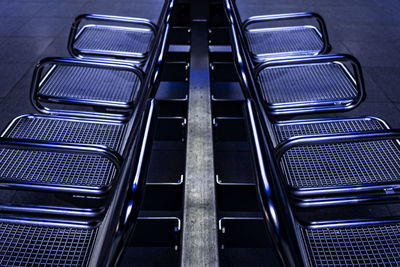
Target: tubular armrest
pixel 129 192
pixel 276 208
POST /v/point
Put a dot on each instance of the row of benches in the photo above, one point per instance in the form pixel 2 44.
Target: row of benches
pixel 78 168
pixel 314 163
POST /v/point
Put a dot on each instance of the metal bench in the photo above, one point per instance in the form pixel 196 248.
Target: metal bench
pixel 342 168
pixel 57 234
pixel 269 37
pixel 46 242
pixel 336 161
pixel 368 160
pixel 110 87
pixel 69 130
pixel 294 85
pixel 116 38
pixel 102 141
pixel 267 43
pixel 352 243
pixel 67 81
pixel 113 37
pixel 312 84
pixel 95 167
pixel 57 167
pixel 53 160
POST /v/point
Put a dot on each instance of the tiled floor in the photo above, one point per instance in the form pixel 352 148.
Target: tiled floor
pixel 368 29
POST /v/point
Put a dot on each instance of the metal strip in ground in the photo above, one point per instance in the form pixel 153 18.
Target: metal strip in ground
pixel 199 234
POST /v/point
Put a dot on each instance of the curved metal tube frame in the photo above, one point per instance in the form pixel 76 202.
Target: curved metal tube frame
pixel 276 207
pixel 97 17
pixel 248 72
pixel 336 138
pixel 331 195
pixel 102 151
pixel 119 221
pixel 290 16
pixel 317 106
pixel 38 80
pixel 244 68
pixel 49 146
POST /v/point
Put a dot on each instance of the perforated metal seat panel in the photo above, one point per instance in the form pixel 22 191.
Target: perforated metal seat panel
pixel 344 164
pixel 55 168
pixel 307 83
pixel 67 130
pixel 87 83
pixel 285 131
pixel 368 245
pixel 275 42
pixel 109 40
pixel 27 244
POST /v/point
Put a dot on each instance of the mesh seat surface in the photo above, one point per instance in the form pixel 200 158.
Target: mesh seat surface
pixel 286 131
pixel 344 164
pixel 273 42
pixel 65 130
pixel 25 244
pixel 110 40
pixel 55 168
pixel 86 83
pixel 305 84
pixel 368 245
